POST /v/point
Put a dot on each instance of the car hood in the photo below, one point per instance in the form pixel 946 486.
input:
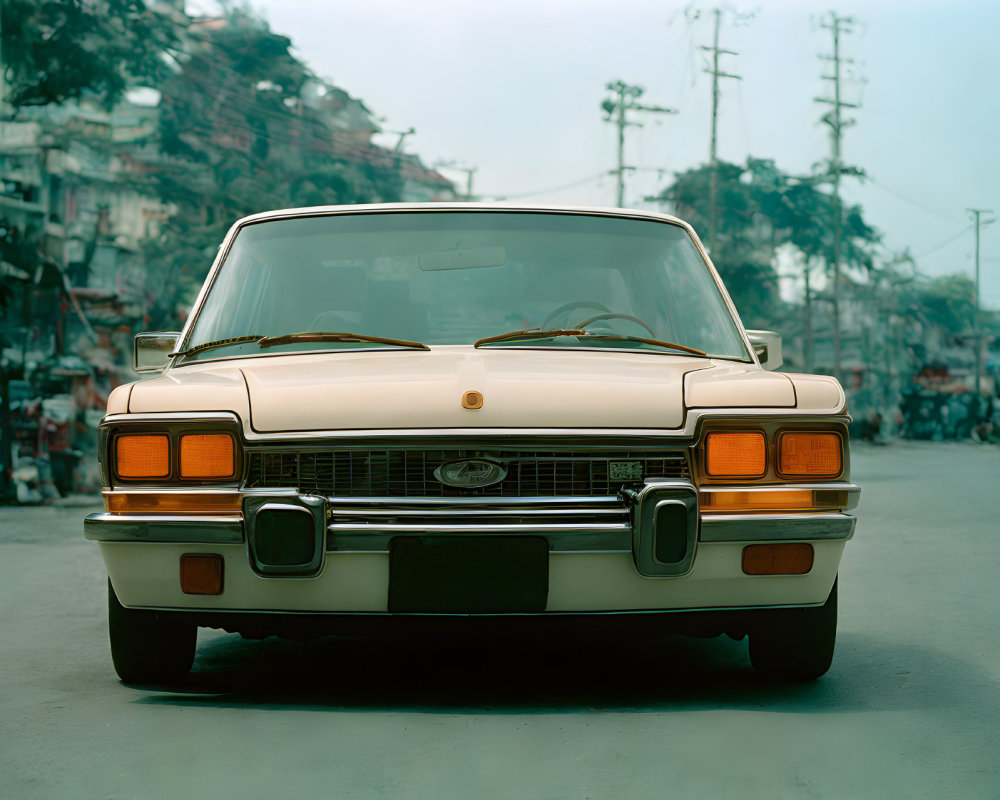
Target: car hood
pixel 521 388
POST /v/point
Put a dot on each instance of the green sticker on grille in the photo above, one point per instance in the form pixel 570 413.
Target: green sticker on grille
pixel 625 470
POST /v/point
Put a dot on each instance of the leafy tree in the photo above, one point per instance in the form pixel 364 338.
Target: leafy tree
pixel 744 253
pixel 57 50
pixel 249 128
pixel 760 210
pixel 948 301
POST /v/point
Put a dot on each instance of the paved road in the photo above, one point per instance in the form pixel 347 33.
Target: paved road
pixel 911 707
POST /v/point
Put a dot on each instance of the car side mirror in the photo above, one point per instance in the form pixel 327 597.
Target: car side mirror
pixel 767 346
pixel 150 350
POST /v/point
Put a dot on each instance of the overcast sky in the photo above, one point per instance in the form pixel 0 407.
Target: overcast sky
pixel 514 88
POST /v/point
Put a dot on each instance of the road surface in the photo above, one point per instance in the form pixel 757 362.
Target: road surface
pixel 910 708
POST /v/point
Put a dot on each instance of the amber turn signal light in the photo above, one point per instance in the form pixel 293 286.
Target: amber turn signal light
pixel 201 573
pixel 778 559
pixel 172 502
pixel 734 454
pixel 142 456
pixel 803 454
pixel 207 455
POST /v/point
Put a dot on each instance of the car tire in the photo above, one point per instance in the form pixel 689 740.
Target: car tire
pixel 149 646
pixel 796 643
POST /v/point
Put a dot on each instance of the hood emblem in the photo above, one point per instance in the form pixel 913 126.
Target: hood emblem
pixel 470 473
pixel 472 400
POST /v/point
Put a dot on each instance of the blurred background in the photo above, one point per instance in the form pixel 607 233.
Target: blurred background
pixel 840 163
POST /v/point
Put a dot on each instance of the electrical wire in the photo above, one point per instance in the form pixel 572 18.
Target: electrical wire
pixel 573 185
pixel 945 242
pixel 909 200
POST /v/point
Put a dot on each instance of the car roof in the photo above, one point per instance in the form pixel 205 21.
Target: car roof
pixel 625 213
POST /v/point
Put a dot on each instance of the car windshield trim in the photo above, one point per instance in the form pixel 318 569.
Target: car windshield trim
pixel 336 336
pixel 199 348
pixel 581 333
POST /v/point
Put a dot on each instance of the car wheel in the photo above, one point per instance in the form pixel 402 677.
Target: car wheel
pixel 147 646
pixel 796 643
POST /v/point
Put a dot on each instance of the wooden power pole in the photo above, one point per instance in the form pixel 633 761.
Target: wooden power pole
pixel 978 223
pixel 469 173
pixel 713 160
pixel 835 119
pixel 625 98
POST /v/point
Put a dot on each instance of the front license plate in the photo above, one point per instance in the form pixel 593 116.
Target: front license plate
pixel 468 574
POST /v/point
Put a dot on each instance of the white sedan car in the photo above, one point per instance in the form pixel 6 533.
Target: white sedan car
pixel 387 418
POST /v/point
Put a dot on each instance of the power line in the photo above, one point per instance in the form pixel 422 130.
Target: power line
pixel 944 242
pixel 573 185
pixel 626 98
pixel 903 197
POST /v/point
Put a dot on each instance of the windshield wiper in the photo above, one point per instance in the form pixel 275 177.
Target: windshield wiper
pixel 198 348
pixel 580 333
pixel 334 336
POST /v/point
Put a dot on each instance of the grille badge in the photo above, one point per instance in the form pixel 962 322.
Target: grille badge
pixel 470 473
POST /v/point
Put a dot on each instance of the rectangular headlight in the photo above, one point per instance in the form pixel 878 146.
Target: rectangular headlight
pixel 810 454
pixel 736 454
pixel 207 455
pixel 142 455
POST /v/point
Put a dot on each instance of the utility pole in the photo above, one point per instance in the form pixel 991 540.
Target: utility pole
pixel 837 123
pixel 402 136
pixel 713 161
pixel 978 222
pixel 469 172
pixel 627 99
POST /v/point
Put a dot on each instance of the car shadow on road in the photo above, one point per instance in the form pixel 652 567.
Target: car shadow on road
pixel 561 676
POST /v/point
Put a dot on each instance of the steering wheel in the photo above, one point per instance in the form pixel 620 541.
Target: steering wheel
pixel 571 307
pixel 613 315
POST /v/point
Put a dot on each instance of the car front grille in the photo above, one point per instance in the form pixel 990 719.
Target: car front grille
pixel 410 473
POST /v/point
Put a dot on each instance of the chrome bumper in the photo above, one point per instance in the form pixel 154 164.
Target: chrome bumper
pixel 614 535
pixel 173 528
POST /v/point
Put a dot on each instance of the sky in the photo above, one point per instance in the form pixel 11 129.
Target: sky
pixel 514 89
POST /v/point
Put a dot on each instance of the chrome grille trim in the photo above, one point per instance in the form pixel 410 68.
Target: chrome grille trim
pixel 530 527
pixel 471 514
pixel 568 524
pixel 402 472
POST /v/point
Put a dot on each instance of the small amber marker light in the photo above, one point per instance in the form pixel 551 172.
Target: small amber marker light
pixel 472 400
pixel 736 454
pixel 201 573
pixel 778 559
pixel 142 456
pixel 804 454
pixel 207 455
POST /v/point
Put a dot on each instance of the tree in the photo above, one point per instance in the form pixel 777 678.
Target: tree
pixel 744 251
pixel 762 210
pixel 249 128
pixel 58 50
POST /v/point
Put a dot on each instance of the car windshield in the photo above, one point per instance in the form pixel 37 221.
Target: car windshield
pixel 455 277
